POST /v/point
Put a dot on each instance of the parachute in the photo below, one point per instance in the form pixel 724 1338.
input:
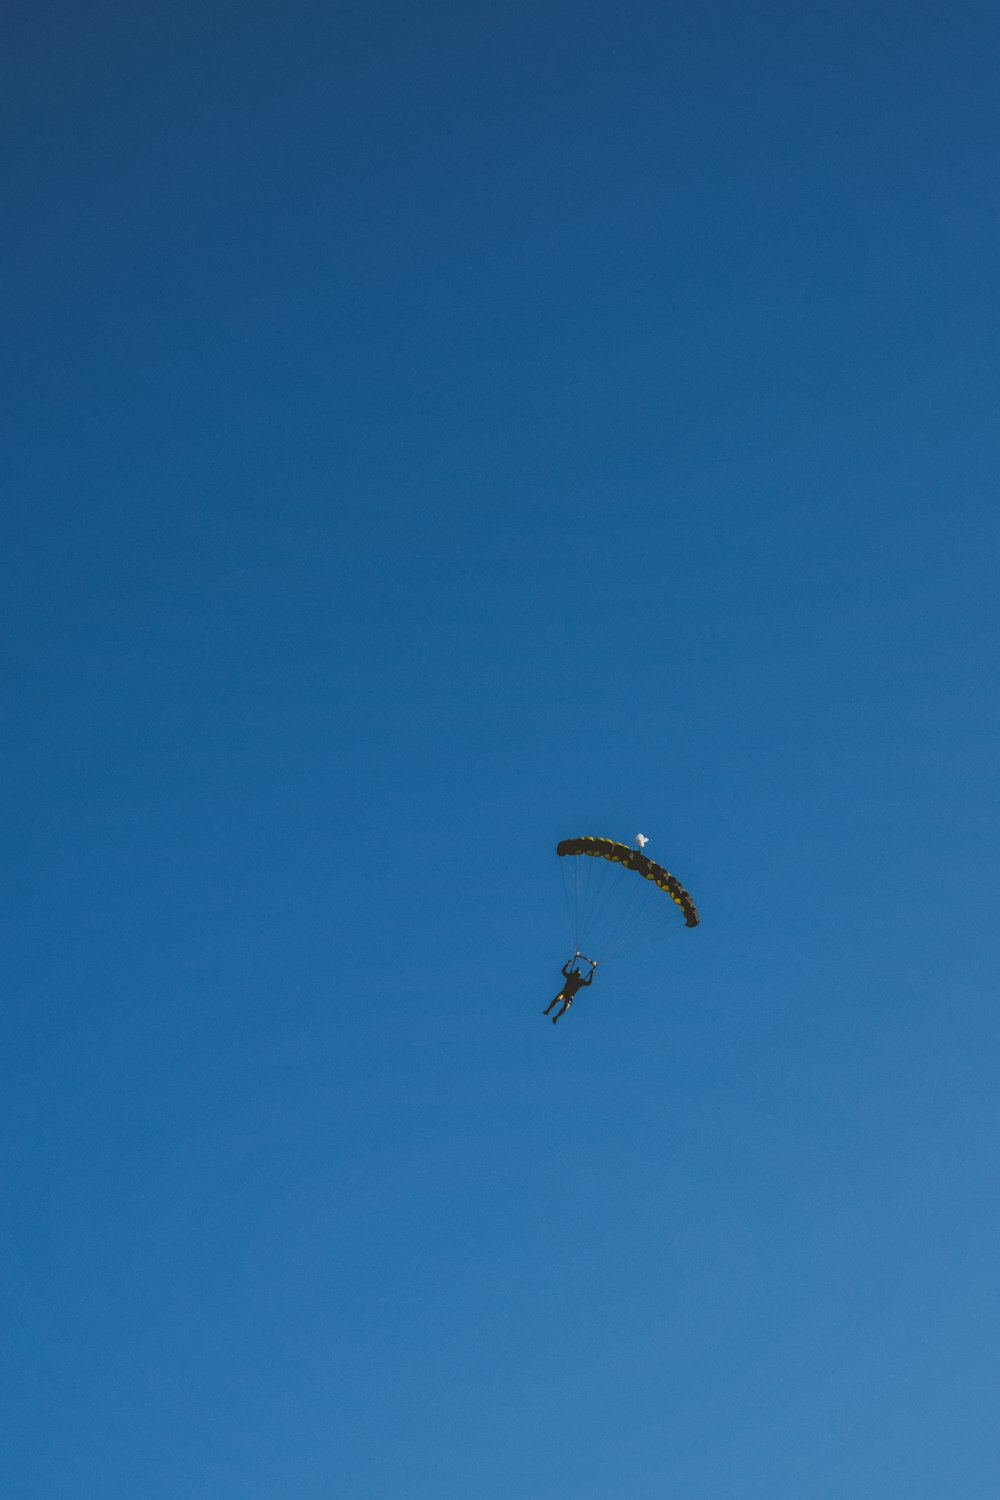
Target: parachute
pixel 618 897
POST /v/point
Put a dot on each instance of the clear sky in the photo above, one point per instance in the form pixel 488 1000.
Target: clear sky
pixel 430 432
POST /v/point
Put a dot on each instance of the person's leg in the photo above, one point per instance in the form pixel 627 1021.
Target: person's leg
pixel 567 1002
pixel 554 1002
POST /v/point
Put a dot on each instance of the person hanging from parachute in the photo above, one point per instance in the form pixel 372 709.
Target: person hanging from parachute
pixel 618 897
pixel 573 981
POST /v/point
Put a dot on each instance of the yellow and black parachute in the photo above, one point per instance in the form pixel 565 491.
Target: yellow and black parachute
pixel 617 895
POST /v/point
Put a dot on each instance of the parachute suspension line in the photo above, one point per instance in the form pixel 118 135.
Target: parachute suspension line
pixel 648 926
pixel 629 912
pixel 572 905
pixel 658 919
pixel 598 896
pixel 579 905
pixel 597 902
pixel 582 898
pixel 635 942
pixel 577 881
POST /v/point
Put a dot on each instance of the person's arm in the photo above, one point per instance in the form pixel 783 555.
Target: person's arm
pixel 589 979
pixel 565 968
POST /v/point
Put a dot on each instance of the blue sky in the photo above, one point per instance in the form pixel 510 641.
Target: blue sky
pixel 430 433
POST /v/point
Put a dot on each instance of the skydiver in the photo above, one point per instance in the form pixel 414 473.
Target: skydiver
pixel 574 981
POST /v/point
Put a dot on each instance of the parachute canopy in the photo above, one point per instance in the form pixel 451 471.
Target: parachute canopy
pixel 617 906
